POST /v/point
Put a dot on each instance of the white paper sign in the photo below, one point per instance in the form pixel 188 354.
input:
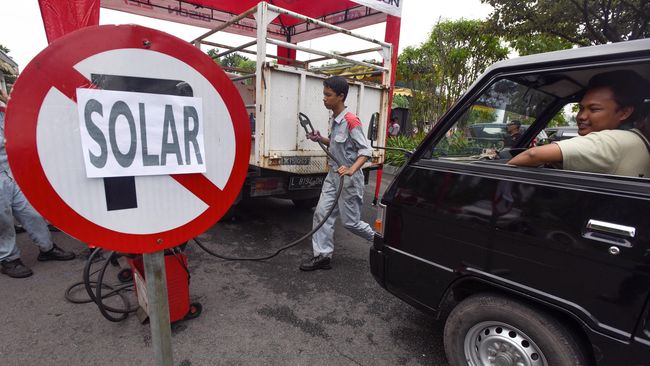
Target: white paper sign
pixel 132 134
pixel 392 7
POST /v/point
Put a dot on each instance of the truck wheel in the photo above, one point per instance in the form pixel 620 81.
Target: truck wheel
pixel 489 329
pixel 305 203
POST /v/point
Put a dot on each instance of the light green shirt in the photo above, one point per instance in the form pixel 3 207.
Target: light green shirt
pixel 619 152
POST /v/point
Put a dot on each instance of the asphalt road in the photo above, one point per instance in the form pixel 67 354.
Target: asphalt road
pixel 254 313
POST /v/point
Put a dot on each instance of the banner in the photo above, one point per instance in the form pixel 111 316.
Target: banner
pixel 64 16
pixel 390 7
pixel 131 134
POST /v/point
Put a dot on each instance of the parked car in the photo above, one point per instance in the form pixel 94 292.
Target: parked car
pixel 494 134
pixel 561 133
pixel 528 266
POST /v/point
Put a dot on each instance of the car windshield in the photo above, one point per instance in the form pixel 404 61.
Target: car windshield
pixel 485 124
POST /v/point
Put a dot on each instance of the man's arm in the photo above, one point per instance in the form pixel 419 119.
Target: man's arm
pixel 3 96
pixel 316 136
pixel 537 156
pixel 325 140
pixel 344 170
pixel 360 143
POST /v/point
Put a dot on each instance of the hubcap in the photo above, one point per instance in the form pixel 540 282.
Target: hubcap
pixel 499 344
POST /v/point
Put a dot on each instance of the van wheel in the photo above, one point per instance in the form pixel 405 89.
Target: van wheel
pixel 489 329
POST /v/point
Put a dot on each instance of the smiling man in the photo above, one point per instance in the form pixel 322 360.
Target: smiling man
pixel 607 143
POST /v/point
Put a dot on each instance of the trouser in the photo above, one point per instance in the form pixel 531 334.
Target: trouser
pixel 13 204
pixel 349 206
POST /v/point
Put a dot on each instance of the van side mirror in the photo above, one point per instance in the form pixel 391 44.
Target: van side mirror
pixel 372 128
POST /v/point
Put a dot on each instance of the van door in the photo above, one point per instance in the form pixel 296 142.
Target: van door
pixel 436 216
pixel 579 240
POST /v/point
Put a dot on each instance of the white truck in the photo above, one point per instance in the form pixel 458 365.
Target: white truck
pixel 283 163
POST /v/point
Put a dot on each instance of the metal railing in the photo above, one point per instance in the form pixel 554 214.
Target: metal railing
pixel 384 48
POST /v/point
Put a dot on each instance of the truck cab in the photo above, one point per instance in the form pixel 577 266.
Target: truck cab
pixel 531 266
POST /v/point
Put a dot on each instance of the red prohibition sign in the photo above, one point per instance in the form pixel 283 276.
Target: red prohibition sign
pixel 54 68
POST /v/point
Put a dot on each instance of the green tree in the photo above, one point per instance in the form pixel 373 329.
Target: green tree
pixel 579 22
pixel 233 60
pixel 400 101
pixel 4 49
pixel 537 43
pixel 444 66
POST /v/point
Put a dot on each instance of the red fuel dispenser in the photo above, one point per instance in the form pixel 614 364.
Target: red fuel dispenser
pixel 178 280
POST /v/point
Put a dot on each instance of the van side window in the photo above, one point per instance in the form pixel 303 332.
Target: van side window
pixel 483 127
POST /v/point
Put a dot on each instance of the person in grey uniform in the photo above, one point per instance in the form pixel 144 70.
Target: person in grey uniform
pixel 349 145
pixel 13 204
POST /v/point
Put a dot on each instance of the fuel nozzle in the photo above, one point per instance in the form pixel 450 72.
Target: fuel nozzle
pixel 305 122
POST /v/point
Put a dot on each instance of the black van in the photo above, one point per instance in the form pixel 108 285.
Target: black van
pixel 530 266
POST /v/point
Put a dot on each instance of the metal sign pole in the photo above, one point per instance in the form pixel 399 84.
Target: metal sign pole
pixel 158 308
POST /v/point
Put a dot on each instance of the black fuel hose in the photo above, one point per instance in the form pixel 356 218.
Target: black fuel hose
pixel 98 297
pixel 94 289
pixel 306 124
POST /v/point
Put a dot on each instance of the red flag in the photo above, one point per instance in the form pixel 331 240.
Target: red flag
pixel 64 16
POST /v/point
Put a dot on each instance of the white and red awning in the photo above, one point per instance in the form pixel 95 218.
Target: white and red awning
pixel 63 16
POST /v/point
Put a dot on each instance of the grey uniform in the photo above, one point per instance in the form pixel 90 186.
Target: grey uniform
pixel 14 204
pixel 347 143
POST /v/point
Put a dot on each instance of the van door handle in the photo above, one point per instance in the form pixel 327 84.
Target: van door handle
pixel 609 233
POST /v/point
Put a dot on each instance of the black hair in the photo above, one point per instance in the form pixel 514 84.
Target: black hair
pixel 627 86
pixel 338 84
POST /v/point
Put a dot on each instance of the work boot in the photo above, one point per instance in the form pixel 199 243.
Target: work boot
pixel 55 254
pixel 15 269
pixel 318 262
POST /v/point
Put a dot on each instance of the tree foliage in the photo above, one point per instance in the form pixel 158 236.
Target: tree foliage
pixel 400 101
pixel 233 60
pixel 530 44
pixel 578 22
pixel 444 66
pixel 4 49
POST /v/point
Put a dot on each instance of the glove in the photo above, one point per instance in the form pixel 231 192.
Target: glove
pixel 314 136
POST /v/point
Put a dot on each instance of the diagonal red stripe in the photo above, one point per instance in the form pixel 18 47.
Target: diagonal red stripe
pixel 68 82
pixel 200 186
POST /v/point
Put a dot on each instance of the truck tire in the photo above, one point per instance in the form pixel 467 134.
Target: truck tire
pixel 305 203
pixel 489 329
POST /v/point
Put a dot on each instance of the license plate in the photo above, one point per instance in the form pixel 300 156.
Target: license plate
pixel 306 182
pixel 295 160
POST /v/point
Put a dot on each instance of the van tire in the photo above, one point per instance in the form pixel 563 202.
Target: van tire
pixel 488 326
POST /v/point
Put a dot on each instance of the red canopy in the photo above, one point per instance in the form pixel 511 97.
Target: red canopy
pixel 62 16
pixel 211 13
